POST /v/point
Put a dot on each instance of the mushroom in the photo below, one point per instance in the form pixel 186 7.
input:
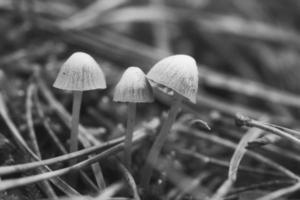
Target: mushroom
pixel 178 76
pixel 79 73
pixel 132 88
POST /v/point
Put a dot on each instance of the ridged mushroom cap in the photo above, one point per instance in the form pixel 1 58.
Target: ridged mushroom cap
pixel 133 87
pixel 80 72
pixel 178 73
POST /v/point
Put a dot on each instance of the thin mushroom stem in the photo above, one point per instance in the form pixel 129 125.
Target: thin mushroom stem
pixel 77 98
pixel 160 140
pixel 129 132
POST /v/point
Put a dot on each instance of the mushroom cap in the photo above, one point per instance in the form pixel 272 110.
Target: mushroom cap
pixel 133 87
pixel 178 73
pixel 80 72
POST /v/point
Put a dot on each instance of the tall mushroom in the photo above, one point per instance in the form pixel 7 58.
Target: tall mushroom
pixel 132 88
pixel 178 74
pixel 79 73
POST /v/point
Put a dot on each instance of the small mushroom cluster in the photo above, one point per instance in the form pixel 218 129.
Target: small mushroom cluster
pixel 176 75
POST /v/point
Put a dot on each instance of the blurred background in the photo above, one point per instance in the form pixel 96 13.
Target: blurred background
pixel 248 54
pixel 249 40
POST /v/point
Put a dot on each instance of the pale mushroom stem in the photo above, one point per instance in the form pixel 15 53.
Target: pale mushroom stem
pixel 160 140
pixel 129 131
pixel 77 98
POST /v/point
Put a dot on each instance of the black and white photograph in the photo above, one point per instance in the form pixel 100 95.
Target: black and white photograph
pixel 149 100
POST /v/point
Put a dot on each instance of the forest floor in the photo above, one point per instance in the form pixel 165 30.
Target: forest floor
pixel 239 141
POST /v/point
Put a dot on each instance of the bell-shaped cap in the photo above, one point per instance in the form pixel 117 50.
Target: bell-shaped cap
pixel 80 72
pixel 133 87
pixel 178 73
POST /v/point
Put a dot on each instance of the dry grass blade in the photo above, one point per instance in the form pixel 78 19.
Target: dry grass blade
pixel 16 135
pixel 261 185
pixel 30 92
pixel 109 191
pixel 161 29
pixel 237 26
pixel 13 183
pixel 245 121
pixel 264 140
pixel 232 145
pixel 88 16
pixel 214 161
pixel 248 88
pixel 282 192
pixel 137 14
pixel 192 186
pixel 180 180
pixel 201 123
pixel 4 170
pixel 130 180
pixel 290 131
pixel 240 152
pixel 235 163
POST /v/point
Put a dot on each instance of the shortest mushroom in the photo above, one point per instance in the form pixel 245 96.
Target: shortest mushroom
pixel 132 88
pixel 79 73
